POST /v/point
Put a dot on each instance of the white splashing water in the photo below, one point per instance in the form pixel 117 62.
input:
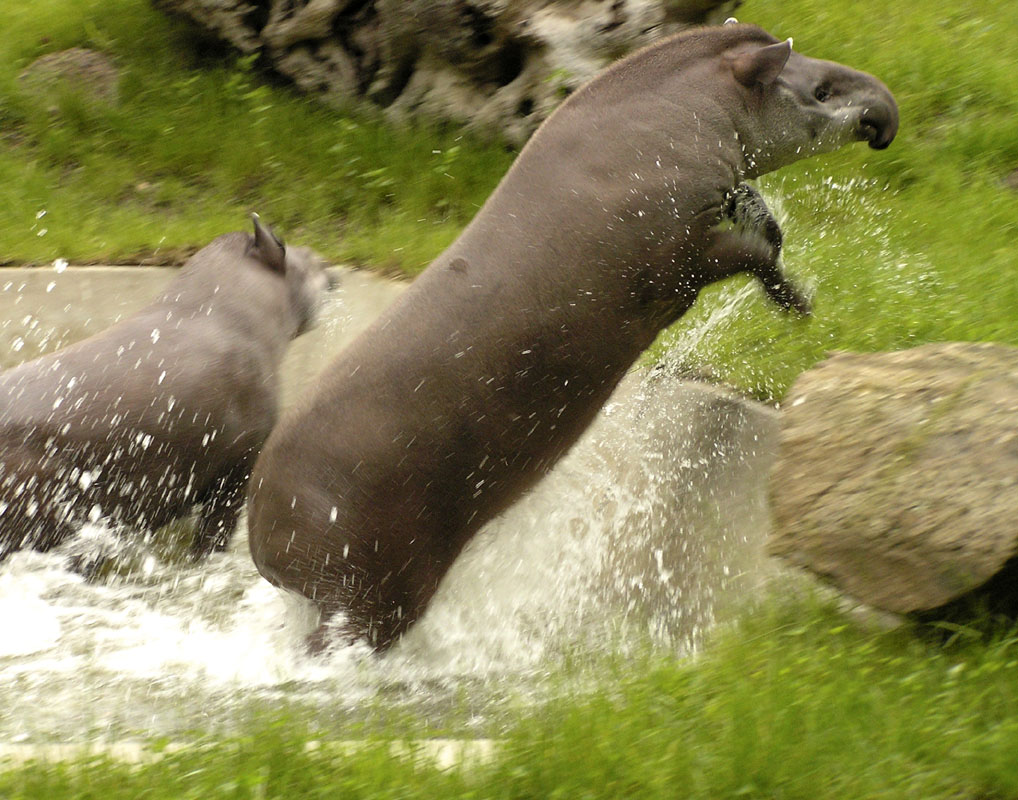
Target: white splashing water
pixel 638 533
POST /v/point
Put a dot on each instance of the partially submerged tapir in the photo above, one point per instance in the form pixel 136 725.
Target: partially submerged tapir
pixel 165 410
pixel 471 386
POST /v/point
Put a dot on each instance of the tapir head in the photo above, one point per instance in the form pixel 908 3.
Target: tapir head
pixel 305 275
pixel 801 106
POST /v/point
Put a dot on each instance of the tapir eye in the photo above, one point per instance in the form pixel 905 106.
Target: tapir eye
pixel 821 93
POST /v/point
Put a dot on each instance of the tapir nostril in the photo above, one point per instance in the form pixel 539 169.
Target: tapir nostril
pixel 879 124
pixel 878 130
pixel 870 130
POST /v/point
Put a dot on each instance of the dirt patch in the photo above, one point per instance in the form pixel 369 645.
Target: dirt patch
pixel 77 69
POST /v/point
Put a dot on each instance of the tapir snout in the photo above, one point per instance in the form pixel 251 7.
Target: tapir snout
pixel 879 123
pixel 868 103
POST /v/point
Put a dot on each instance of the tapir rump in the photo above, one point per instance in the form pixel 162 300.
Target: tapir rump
pixel 162 412
pixel 469 388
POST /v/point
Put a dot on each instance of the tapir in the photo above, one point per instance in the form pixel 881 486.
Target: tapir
pixel 164 411
pixel 472 385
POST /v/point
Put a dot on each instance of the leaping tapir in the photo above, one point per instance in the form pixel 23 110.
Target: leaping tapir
pixel 470 387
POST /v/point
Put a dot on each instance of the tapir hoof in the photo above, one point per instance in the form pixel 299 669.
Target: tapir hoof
pixel 789 298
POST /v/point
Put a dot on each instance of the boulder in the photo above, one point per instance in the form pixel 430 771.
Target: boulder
pixel 490 64
pixel 897 478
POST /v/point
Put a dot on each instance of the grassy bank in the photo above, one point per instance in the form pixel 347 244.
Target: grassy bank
pixel 798 702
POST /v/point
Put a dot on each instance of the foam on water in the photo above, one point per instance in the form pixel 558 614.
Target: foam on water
pixel 132 649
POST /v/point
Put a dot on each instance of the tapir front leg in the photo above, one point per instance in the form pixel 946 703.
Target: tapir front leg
pixel 746 209
pixel 220 511
pixel 753 244
pixel 782 291
pixel 731 251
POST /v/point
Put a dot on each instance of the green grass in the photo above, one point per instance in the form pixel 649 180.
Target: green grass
pixel 798 701
pixel 199 141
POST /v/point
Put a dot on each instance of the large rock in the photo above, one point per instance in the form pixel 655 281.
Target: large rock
pixel 493 64
pixel 898 475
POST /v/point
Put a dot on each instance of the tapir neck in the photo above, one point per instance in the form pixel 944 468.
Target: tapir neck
pixel 616 210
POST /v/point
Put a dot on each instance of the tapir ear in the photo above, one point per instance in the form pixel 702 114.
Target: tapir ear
pixel 763 65
pixel 270 250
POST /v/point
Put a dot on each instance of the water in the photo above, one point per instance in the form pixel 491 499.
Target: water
pixel 645 532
